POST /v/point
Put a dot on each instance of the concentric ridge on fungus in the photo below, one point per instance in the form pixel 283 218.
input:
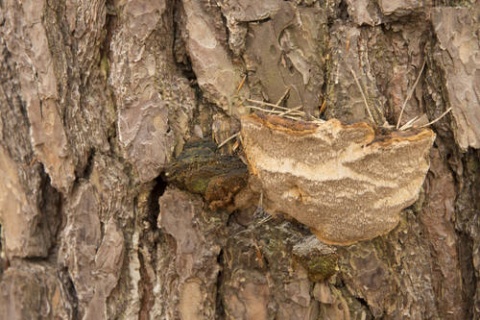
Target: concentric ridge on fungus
pixel 342 181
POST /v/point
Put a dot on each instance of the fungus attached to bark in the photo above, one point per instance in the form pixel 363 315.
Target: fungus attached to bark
pixel 343 181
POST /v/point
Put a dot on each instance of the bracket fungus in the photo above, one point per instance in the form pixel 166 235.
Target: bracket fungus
pixel 343 181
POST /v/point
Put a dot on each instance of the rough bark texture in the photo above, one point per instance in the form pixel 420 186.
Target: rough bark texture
pixel 115 205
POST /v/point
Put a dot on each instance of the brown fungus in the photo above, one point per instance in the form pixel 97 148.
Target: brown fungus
pixel 342 181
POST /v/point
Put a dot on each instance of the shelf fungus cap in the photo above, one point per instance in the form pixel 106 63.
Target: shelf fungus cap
pixel 342 181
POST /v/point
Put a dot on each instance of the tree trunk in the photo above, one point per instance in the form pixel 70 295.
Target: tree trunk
pixel 121 198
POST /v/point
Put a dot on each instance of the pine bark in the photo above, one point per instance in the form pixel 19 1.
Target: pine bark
pixel 117 203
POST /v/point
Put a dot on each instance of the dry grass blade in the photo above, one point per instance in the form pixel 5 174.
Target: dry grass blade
pixel 363 94
pixel 409 124
pixel 441 116
pixel 265 220
pixel 292 117
pixel 273 111
pixel 409 95
pixel 233 136
pixel 267 104
pixel 294 113
pixel 289 111
pixel 242 82
pixel 284 97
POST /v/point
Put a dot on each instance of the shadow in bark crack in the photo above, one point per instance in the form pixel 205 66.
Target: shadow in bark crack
pixel 220 314
pixel 153 205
